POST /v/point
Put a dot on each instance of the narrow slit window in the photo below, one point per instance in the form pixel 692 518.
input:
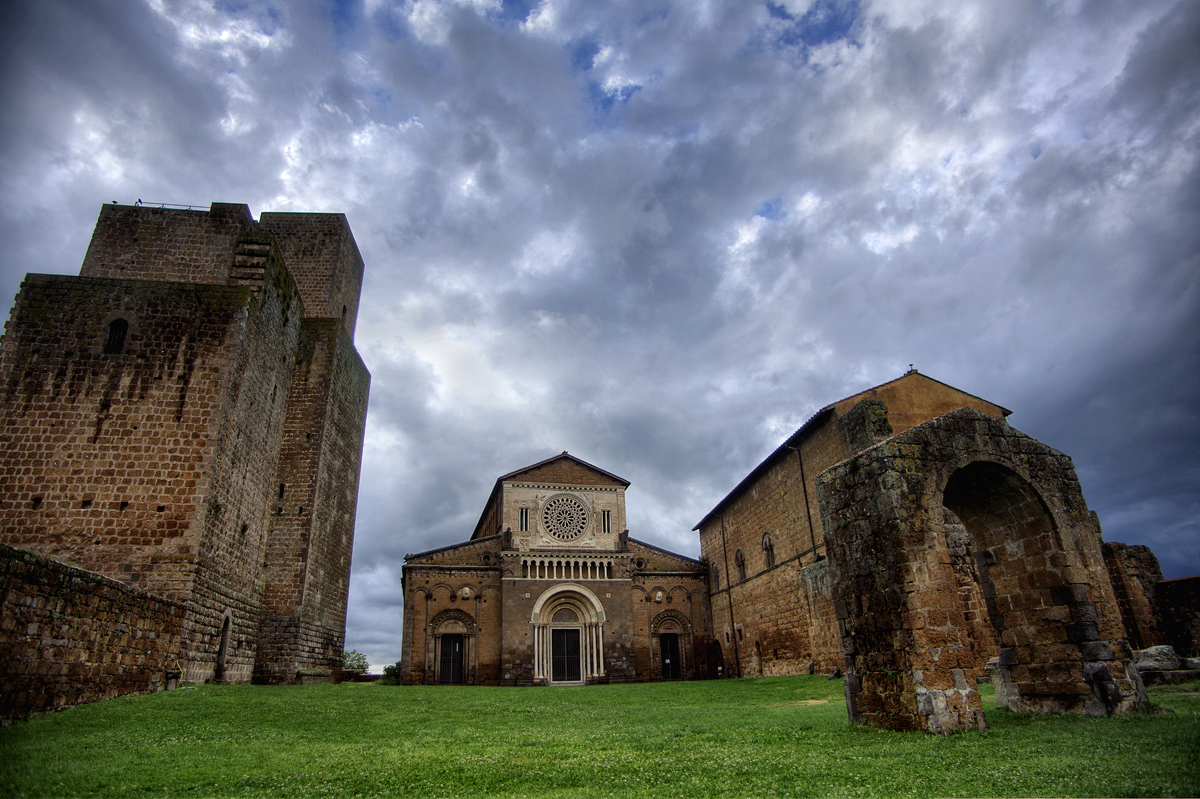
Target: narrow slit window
pixel 523 524
pixel 114 340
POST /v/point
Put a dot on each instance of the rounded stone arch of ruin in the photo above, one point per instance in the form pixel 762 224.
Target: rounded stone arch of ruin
pixel 970 483
pixel 452 621
pixel 1050 653
pixel 585 613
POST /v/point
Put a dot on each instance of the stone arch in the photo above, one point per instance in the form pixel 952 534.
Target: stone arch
pixel 446 631
pixel 887 514
pixel 1047 627
pixel 676 659
pixel 553 627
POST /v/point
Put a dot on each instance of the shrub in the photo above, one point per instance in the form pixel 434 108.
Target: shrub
pixel 355 661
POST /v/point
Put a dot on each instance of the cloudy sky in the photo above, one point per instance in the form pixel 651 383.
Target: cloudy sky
pixel 661 234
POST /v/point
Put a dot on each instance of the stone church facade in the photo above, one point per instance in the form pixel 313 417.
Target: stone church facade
pixel 551 590
pixel 182 423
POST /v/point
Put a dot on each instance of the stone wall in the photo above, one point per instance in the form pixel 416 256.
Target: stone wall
pixel 324 260
pixel 901 607
pixel 1179 606
pixel 1134 571
pixel 141 243
pixel 69 636
pixel 105 458
pixel 313 509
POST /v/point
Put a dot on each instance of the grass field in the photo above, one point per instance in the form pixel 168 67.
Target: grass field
pixel 753 737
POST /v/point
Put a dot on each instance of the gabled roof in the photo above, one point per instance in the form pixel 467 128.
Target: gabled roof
pixel 802 432
pixel 504 478
pixel 564 456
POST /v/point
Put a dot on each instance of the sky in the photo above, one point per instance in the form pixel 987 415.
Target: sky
pixel 660 235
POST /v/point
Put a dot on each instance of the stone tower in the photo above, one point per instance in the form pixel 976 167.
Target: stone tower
pixel 186 417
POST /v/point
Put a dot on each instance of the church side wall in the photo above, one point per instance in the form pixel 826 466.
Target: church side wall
pixel 782 619
pixel 137 242
pixel 69 636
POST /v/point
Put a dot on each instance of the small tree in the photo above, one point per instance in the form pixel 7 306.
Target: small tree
pixel 355 661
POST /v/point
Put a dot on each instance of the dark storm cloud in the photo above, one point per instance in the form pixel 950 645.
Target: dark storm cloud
pixel 661 235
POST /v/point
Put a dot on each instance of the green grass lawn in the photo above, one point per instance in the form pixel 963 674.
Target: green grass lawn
pixel 753 737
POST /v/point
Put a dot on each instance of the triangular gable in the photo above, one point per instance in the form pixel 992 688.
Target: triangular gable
pixel 895 417
pixel 565 469
pixel 562 469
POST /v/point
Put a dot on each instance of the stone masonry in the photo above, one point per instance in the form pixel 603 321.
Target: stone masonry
pixel 186 417
pixel 551 590
pixel 895 513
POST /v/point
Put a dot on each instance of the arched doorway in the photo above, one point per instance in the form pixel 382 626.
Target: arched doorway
pixel 568 636
pixel 452 648
pixel 1042 627
pixel 671 641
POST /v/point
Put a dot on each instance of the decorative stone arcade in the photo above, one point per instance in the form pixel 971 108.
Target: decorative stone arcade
pixel 906 599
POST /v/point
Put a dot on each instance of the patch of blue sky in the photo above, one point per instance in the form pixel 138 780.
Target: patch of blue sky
pixel 603 99
pixel 345 15
pixel 583 54
pixel 825 21
pixel 771 209
pixel 514 12
pixel 267 16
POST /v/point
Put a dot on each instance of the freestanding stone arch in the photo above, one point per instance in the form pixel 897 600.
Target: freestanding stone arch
pixel 894 516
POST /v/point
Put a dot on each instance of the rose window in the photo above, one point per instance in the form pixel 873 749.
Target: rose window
pixel 565 517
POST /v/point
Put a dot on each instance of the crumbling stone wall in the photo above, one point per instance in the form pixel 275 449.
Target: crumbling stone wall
pixel 1134 571
pixel 98 638
pixel 779 618
pixel 1179 606
pixel 901 612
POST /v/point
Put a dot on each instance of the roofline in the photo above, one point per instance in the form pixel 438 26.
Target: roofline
pixel 794 439
pixel 665 551
pixel 500 481
pixel 449 547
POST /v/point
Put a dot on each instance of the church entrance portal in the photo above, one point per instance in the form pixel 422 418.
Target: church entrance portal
pixel 452 659
pixel 670 656
pixel 566 661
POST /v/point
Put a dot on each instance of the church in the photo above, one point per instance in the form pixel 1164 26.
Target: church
pixel 551 590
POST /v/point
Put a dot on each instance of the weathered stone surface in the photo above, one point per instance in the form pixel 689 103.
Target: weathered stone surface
pixel 894 518
pixel 641 613
pixel 772 597
pixel 1156 658
pixel 146 415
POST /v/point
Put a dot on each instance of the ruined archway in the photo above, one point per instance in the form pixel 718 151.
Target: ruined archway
pixel 898 516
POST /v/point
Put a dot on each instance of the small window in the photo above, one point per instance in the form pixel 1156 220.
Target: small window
pixel 739 560
pixel 114 340
pixel 523 524
pixel 716 578
pixel 606 521
pixel 768 550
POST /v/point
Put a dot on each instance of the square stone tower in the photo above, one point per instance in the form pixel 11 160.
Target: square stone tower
pixel 186 417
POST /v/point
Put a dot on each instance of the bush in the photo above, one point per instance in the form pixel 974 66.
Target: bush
pixel 355 661
pixel 391 675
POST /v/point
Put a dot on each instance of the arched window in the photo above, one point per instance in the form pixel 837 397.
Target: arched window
pixel 114 341
pixel 768 550
pixel 716 578
pixel 739 560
